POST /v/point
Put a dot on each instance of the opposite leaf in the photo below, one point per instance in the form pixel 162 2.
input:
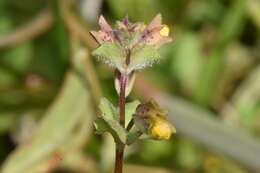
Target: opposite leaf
pixel 113 127
pixel 101 126
pixel 108 110
pixel 133 136
pixel 109 122
pixel 143 57
pixel 110 53
pixel 130 109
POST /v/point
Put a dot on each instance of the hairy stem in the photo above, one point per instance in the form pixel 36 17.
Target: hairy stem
pixel 120 147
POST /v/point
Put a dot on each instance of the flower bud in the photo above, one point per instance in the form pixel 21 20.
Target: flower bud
pixel 152 120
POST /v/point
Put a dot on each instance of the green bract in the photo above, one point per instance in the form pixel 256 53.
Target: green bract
pixel 143 57
pixel 111 54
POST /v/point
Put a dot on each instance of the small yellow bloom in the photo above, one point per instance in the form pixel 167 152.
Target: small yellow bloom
pixel 165 31
pixel 154 121
pixel 161 129
pixel 142 27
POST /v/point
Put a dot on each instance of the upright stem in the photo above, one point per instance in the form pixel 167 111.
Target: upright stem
pixel 122 81
pixel 120 147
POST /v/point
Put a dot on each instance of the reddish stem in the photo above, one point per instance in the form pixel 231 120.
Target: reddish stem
pixel 120 147
pixel 122 81
pixel 119 159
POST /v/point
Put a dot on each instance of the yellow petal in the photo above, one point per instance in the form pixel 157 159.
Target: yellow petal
pixel 161 130
pixel 142 27
pixel 165 31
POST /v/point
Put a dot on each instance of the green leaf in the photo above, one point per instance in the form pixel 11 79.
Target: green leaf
pixel 143 57
pixel 109 122
pixel 117 131
pixel 101 126
pixel 130 109
pixel 108 110
pixel 133 136
pixel 111 54
pixel 113 127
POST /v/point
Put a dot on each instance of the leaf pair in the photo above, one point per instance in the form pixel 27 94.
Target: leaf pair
pixel 109 121
pixel 114 55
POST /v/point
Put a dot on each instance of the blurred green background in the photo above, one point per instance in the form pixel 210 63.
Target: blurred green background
pixel 50 86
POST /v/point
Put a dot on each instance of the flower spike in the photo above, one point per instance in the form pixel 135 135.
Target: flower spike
pixel 130 46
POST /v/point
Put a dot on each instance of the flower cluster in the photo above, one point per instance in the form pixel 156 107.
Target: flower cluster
pixel 129 34
pixel 130 46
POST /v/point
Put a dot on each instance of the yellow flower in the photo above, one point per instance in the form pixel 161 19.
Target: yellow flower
pixel 152 120
pixel 161 129
pixel 165 31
